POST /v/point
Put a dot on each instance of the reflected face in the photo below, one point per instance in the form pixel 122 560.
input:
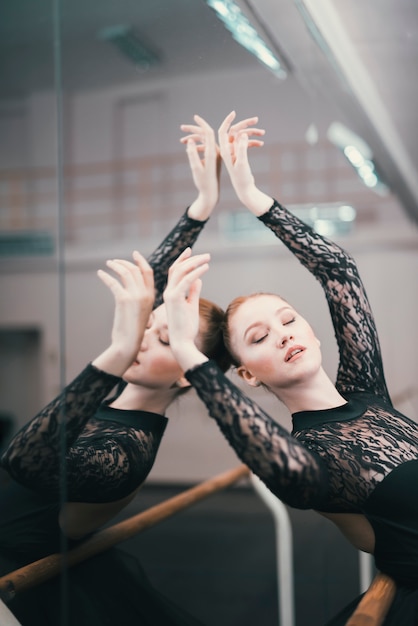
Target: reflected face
pixel 276 346
pixel 155 365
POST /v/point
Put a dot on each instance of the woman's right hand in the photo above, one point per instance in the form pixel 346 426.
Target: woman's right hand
pixel 234 141
pixel 133 292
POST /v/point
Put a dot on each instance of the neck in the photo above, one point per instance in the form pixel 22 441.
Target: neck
pixel 318 394
pixel 137 398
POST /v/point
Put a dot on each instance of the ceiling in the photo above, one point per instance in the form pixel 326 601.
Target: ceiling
pixel 361 55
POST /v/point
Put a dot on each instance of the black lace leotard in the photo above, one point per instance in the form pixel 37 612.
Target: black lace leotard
pixel 361 457
pixel 109 452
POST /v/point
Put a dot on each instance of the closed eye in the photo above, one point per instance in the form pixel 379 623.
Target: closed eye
pixel 164 343
pixel 260 340
pixel 289 322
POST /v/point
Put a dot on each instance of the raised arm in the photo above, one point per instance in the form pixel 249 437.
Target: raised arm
pixel 205 164
pixel 360 365
pixel 204 160
pixel 289 469
pixel 34 455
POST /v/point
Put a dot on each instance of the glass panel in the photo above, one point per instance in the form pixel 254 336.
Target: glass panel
pixel 29 211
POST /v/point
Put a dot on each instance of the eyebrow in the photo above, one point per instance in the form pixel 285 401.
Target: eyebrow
pixel 255 324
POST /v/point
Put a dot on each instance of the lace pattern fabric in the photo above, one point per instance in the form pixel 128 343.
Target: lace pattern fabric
pixel 360 453
pixel 103 461
pixel 289 469
pixel 184 234
pixel 334 465
pixel 360 364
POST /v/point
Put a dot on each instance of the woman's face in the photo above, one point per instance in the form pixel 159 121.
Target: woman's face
pixel 155 365
pixel 275 345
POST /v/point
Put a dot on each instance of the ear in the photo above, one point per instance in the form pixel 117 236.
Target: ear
pixel 182 383
pixel 249 378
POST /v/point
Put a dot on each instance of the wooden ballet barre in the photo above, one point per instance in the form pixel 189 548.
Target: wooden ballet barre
pixel 375 604
pixel 48 567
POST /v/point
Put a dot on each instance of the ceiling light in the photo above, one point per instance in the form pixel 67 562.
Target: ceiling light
pixel 130 45
pixel 358 154
pixel 246 35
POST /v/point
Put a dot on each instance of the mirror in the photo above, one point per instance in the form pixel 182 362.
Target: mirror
pixel 123 177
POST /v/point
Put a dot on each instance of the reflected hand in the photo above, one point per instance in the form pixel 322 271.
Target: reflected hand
pixel 133 292
pixel 181 297
pixel 205 164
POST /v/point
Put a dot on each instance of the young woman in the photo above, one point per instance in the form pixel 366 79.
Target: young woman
pixel 351 455
pixel 110 445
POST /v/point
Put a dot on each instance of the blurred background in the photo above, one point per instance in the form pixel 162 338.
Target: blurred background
pixel 92 95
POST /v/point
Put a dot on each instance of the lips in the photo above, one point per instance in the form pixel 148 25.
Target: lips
pixel 293 352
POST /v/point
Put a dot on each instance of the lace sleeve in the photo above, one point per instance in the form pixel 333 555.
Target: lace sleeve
pixel 33 456
pixel 288 468
pixel 184 234
pixel 360 364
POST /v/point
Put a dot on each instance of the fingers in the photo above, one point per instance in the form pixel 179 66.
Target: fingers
pixel 184 273
pixel 241 148
pixel 118 287
pixel 193 135
pixel 128 272
pixel 223 138
pixel 245 123
pixel 201 131
pixel 195 132
pixel 232 137
pixel 200 144
pixel 224 127
pixel 193 139
pixel 186 263
pixel 192 151
pixel 245 127
pixel 195 290
pixel 249 132
pixel 187 252
pixel 145 269
pixel 132 276
pixel 108 280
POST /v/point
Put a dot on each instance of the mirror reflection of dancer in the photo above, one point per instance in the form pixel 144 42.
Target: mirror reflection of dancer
pixel 351 455
pixel 110 445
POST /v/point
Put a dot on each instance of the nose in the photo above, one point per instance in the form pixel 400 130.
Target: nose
pixel 285 339
pixel 144 343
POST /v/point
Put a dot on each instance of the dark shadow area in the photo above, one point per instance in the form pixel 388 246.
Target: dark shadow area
pixel 218 559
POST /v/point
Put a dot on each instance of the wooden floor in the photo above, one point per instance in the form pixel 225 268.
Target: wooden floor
pixel 217 560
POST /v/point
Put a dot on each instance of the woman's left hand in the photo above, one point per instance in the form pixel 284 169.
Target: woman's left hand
pixel 181 297
pixel 234 141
